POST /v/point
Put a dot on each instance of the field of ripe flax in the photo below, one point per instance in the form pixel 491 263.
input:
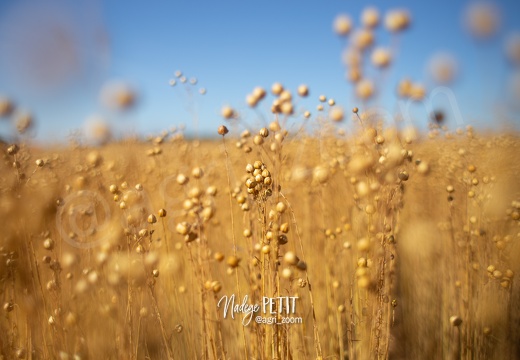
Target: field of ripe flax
pixel 391 247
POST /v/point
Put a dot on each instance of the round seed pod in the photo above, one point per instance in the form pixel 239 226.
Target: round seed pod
pixel 6 106
pixel 455 320
pixel 363 39
pixel 183 228
pixel 307 114
pixel 277 88
pixel 342 24
pixel 151 219
pixel 282 239
pixel 222 130
pixel 264 132
pixel 273 126
pixel 162 213
pixel 403 175
pixel 336 114
pixel 381 57
pixel 397 20
pixel 281 207
pixel 48 244
pixel 291 258
pixel 218 256
pixel 259 93
pixel 227 112
pixel 286 273
pixel 482 20
pixel 233 261
pixel 303 90
pixel 364 89
pixel 216 286
pixel 370 17
pixel 363 245
pixel 251 100
pixel 182 179
pixel 258 140
pixel 197 172
pixel 266 249
pixel 287 108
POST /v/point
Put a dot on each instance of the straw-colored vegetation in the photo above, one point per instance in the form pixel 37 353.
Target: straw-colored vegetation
pixel 385 242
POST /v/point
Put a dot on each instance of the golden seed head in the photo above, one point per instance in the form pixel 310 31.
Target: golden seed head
pixel 364 89
pixel 277 88
pixel 397 20
pixel 197 172
pixel 233 261
pixel 247 233
pixel 259 93
pixel 162 212
pixel 264 132
pixel 227 112
pixel 182 179
pixel 183 228
pixel 336 114
pixel 281 207
pixel 222 130
pixel 152 219
pixel 258 140
pixel 291 258
pixel 381 57
pixel 307 114
pixel 218 256
pixel 274 126
pixel 342 24
pixel 303 90
pixel 370 17
pixel 287 273
pixel 48 244
pixel 216 286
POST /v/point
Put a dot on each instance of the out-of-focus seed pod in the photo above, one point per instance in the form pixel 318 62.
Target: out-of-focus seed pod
pixel 227 112
pixel 233 261
pixel 455 320
pixel 397 20
pixel 290 258
pixel 370 17
pixel 342 24
pixel 336 114
pixel 277 89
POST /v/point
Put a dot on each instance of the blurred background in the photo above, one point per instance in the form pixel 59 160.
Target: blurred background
pixel 99 69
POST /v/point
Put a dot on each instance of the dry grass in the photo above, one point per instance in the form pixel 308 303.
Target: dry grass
pixel 379 253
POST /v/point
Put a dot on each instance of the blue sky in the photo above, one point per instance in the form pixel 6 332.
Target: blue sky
pixel 231 47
